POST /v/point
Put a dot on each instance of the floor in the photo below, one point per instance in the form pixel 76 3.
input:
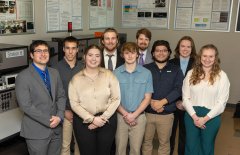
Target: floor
pixel 227 143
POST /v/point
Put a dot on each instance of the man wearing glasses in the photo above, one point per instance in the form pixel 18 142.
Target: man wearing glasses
pixel 41 97
pixel 167 87
pixel 67 68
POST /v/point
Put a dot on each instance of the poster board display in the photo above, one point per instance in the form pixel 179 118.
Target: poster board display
pixel 237 27
pixel 205 15
pixel 101 14
pixel 60 12
pixel 142 13
pixel 16 17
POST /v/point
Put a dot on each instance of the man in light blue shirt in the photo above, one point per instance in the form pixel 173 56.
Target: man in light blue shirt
pixel 136 91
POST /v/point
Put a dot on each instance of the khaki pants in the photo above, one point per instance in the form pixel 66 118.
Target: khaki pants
pixel 163 125
pixel 132 133
pixel 67 137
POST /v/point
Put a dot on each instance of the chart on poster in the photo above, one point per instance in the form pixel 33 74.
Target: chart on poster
pixel 16 17
pixel 142 13
pixel 205 15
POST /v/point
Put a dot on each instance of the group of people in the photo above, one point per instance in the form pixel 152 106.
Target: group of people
pixel 115 100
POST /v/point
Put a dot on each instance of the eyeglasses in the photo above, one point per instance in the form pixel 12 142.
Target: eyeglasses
pixel 41 51
pixel 162 51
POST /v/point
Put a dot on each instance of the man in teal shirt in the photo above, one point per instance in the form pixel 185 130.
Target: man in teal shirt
pixel 136 91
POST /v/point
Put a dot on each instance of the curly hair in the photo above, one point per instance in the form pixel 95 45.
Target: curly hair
pixel 198 73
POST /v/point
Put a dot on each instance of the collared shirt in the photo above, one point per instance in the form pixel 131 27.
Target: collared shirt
pixel 144 55
pixel 66 74
pixel 133 86
pixel 89 97
pixel 184 64
pixel 41 73
pixel 203 94
pixel 167 83
pixel 114 58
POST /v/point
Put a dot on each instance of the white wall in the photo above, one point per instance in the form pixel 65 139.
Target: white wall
pixel 228 43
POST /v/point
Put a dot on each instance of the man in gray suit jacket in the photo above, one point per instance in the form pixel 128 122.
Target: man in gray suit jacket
pixel 143 38
pixel 41 97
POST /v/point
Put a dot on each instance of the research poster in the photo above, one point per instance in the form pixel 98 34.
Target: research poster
pixel 142 13
pixel 60 12
pixel 213 15
pixel 101 14
pixel 16 17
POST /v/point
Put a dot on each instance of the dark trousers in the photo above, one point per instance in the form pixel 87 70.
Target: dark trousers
pixel 201 141
pixel 178 119
pixel 97 141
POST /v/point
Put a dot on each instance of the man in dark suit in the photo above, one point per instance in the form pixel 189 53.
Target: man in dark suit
pixel 111 58
pixel 41 97
pixel 143 38
pixel 185 53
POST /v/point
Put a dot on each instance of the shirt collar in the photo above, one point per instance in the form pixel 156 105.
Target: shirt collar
pixel 38 69
pixel 101 70
pixel 65 62
pixel 113 53
pixel 144 52
pixel 137 69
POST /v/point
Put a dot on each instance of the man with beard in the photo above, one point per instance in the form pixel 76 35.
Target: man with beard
pixel 111 58
pixel 167 86
pixel 143 38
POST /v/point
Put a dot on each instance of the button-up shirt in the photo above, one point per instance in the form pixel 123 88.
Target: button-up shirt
pixel 66 74
pixel 133 86
pixel 89 97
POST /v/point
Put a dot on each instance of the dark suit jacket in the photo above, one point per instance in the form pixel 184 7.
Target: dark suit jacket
pixel 119 62
pixel 176 61
pixel 36 103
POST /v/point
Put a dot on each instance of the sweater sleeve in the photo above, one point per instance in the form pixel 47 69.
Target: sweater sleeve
pixel 222 96
pixel 186 95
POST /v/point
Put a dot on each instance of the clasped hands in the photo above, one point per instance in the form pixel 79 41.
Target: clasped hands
pixel 97 122
pixel 157 105
pixel 200 122
pixel 130 119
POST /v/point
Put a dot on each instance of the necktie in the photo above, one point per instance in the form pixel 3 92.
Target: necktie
pixel 46 82
pixel 110 65
pixel 141 61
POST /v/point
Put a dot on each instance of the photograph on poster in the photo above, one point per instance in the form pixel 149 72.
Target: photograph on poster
pixel 8 7
pixel 15 26
pixel 160 3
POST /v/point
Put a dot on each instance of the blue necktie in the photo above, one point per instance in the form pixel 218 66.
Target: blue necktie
pixel 46 82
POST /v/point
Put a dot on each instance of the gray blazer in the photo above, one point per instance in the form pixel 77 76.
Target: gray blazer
pixel 36 103
pixel 148 58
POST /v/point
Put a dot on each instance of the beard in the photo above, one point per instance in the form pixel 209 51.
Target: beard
pixel 161 61
pixel 143 48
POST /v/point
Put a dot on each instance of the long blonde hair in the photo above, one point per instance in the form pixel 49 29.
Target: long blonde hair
pixel 198 73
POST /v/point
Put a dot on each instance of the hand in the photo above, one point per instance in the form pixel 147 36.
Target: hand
pixel 130 118
pixel 156 104
pixel 98 121
pixel 179 105
pixel 68 115
pixel 160 110
pixel 54 121
pixel 133 123
pixel 92 126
